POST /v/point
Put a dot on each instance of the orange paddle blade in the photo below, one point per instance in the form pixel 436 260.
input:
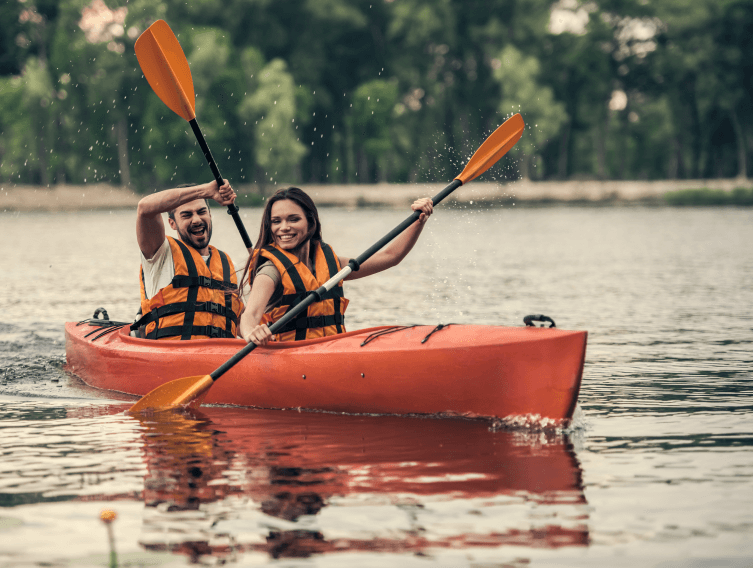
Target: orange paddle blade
pixel 180 392
pixel 493 148
pixel 165 67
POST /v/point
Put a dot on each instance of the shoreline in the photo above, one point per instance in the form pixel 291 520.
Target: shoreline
pixel 104 196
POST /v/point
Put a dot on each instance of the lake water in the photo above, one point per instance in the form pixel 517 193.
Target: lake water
pixel 656 470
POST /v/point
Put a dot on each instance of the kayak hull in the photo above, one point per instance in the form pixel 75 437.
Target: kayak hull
pixel 467 370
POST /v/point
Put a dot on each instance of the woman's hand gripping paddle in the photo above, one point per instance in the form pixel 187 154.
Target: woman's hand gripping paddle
pixel 165 67
pixel 190 390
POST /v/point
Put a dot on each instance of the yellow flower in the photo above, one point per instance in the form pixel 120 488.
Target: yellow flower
pixel 108 516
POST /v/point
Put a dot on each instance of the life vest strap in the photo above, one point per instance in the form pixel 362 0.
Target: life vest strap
pixel 313 322
pixel 203 282
pixel 294 299
pixel 177 331
pixel 185 307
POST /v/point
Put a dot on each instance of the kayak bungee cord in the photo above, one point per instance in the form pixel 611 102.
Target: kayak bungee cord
pixel 387 331
pixel 105 322
pixel 393 329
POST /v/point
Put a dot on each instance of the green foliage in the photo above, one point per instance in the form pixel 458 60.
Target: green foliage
pixel 17 131
pixel 250 200
pixel 417 22
pixel 522 92
pixel 272 107
pixel 742 196
pixel 704 197
pixel 372 115
pixel 28 125
pixel 369 91
pixel 10 30
pixel 210 52
pixel 642 145
pixel 336 13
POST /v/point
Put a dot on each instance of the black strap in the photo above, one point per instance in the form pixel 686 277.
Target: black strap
pixel 294 299
pixel 329 256
pixel 185 307
pixel 179 330
pixel 289 267
pixel 193 292
pixel 108 330
pixel 295 278
pixel 439 327
pixel 304 323
pixel 202 281
pixel 143 283
pixel 386 331
pixel 229 321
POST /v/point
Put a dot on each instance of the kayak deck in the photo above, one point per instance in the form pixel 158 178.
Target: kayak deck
pixel 467 370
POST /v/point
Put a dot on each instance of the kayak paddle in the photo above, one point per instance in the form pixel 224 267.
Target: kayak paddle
pixel 166 68
pixel 185 391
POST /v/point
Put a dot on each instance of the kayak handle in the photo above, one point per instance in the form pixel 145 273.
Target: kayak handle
pixel 99 311
pixel 528 320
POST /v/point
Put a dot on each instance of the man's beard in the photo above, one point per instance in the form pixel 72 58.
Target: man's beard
pixel 193 240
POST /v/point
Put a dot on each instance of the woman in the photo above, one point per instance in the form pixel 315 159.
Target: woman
pixel 290 260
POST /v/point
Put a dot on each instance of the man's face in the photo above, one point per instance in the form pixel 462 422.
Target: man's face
pixel 193 221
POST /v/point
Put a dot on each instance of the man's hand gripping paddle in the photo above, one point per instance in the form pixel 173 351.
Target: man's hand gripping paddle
pixel 165 67
pixel 189 390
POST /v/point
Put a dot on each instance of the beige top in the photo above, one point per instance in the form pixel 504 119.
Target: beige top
pixel 267 268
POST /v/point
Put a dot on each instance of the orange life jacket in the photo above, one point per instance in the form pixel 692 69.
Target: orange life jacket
pixel 321 318
pixel 198 303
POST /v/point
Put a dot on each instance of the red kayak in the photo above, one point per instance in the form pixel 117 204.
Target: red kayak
pixel 461 370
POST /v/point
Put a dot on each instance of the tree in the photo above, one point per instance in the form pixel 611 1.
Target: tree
pixel 523 92
pixel 373 109
pixel 650 89
pixel 12 38
pixel 733 63
pixel 272 107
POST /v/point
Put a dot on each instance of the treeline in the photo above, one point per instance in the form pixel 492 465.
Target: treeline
pixel 362 91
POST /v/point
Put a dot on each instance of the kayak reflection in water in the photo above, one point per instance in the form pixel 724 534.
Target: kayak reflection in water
pixel 294 261
pixel 226 482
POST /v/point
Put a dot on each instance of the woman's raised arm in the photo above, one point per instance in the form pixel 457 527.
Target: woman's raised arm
pixel 397 250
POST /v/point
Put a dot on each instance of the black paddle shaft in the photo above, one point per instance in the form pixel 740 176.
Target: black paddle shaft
pixel 232 209
pixel 315 296
pixel 456 183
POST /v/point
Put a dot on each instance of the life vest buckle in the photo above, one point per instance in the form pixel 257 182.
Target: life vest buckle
pixel 205 281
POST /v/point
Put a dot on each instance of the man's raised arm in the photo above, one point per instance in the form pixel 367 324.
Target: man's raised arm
pixel 150 228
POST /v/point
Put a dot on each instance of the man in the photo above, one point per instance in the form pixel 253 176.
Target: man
pixel 187 286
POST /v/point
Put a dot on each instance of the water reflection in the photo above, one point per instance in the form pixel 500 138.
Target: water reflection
pixel 49 453
pixel 224 481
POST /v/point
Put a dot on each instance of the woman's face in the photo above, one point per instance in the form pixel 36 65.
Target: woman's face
pixel 288 224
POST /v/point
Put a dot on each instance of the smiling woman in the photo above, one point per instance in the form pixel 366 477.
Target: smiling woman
pixel 290 260
pixel 290 226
